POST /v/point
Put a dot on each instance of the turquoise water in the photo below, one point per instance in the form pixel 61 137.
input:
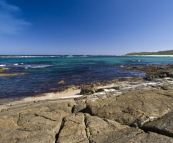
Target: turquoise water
pixel 44 72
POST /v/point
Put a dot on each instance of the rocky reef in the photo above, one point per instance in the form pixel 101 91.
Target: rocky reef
pixel 126 112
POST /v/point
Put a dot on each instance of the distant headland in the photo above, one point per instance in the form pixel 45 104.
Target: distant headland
pixel 167 52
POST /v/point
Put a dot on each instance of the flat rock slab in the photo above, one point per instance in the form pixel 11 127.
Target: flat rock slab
pixel 134 107
pixel 33 123
pixel 84 128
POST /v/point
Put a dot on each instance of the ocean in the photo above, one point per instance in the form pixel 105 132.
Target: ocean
pixel 34 75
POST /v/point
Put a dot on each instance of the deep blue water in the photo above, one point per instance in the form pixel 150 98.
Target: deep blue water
pixel 44 72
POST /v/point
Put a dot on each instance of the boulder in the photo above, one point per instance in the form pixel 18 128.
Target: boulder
pixel 88 89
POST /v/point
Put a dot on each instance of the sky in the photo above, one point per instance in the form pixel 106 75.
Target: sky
pixel 85 27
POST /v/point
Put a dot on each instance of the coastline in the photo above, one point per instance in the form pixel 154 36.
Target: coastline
pixel 111 86
pixel 44 97
pixel 152 55
pixel 126 108
pixel 123 110
pixel 74 91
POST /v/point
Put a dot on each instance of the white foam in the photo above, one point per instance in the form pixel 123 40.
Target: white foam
pixel 36 66
pixel 2 65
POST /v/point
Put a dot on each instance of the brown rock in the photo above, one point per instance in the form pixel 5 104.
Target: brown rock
pixel 61 82
pixel 33 122
pixel 73 130
pixel 88 89
pixel 85 128
pixel 133 108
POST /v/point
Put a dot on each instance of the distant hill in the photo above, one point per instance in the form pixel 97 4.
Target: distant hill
pixel 168 52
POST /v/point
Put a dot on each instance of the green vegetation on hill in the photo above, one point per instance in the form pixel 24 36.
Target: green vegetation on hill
pixel 168 52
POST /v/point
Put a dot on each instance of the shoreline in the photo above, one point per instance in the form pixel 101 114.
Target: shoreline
pixel 44 97
pixel 152 55
pixel 69 92
pixel 105 89
pixel 121 110
pixel 73 91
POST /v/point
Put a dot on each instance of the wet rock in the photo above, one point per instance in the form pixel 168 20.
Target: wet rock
pixel 88 89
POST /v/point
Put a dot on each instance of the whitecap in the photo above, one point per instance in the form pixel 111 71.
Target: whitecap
pixel 70 56
pixel 36 66
pixel 16 64
pixel 2 65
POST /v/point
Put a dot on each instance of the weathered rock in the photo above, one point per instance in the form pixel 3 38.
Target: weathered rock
pixel 88 89
pixel 163 125
pixel 85 128
pixel 80 105
pixel 104 130
pixel 133 108
pixel 34 122
pixel 73 130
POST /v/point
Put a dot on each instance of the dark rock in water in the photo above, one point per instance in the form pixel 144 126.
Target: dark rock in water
pixel 88 89
pixel 159 71
pixel 165 72
pixel 149 78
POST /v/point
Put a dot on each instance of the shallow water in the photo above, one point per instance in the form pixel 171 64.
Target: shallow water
pixel 44 72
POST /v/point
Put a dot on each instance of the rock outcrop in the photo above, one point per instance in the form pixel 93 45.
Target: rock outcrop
pixel 131 112
pixel 153 71
pixel 33 123
pixel 132 108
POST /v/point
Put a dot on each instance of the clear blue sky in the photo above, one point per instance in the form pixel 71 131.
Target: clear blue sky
pixel 106 27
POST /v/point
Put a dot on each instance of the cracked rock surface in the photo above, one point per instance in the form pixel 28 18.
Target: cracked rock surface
pixel 84 128
pixel 33 123
pixel 122 115
pixel 133 108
